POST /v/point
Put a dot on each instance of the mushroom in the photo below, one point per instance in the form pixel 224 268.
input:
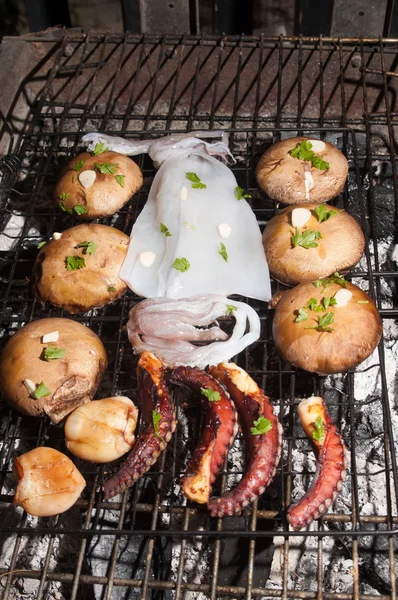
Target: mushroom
pixel 291 180
pixel 48 483
pixel 95 186
pixel 313 331
pixel 51 378
pixel 80 271
pixel 339 248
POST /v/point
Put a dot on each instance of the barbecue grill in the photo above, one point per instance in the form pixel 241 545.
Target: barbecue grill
pixel 150 542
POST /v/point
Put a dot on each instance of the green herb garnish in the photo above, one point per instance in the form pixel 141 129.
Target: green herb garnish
pixel 301 316
pixel 74 263
pixel 99 149
pixel 312 304
pixel 196 182
pixel 303 151
pixel 165 230
pixel 40 245
pixel 230 308
pixel 328 301
pixel 261 426
pixel 106 168
pixel 335 278
pixel 181 264
pixel 323 213
pixel 240 193
pixel 211 395
pixel 111 289
pixel 52 353
pixel 63 207
pixel 63 195
pixel 306 239
pixel 41 390
pixel 78 166
pixel 120 180
pixel 156 418
pixel 319 432
pixel 223 252
pixel 358 301
pixel 190 226
pixel 80 209
pixel 88 247
pixel 323 322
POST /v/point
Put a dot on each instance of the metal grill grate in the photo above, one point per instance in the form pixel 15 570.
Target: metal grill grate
pixel 144 544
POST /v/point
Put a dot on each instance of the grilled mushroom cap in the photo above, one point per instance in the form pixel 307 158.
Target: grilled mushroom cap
pixel 114 184
pixel 340 248
pixel 71 380
pixel 283 177
pixel 355 331
pixel 90 285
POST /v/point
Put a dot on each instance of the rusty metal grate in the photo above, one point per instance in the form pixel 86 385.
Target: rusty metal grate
pixel 261 90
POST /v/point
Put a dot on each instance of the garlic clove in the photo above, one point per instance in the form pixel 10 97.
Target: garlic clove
pixel 342 297
pixel 102 430
pixel 317 145
pixel 30 386
pixel 183 193
pixel 224 230
pixel 87 178
pixel 50 337
pixel 147 258
pixel 48 483
pixel 57 235
pixel 300 216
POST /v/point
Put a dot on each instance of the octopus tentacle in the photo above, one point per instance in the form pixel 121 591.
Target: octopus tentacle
pixel 154 396
pixel 331 464
pixel 263 451
pixel 219 432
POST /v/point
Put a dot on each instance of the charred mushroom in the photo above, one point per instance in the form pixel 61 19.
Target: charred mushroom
pixel 92 186
pixel 308 241
pixel 327 326
pixel 80 270
pixel 299 170
pixel 51 366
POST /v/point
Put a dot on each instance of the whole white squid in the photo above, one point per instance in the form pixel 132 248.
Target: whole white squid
pixel 192 239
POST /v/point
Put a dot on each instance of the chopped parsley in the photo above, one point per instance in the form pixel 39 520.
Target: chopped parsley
pixel 88 247
pixel 230 308
pixel 306 239
pixel 80 209
pixel 40 245
pixel 74 263
pixel 223 252
pixel 78 166
pixel 120 180
pixel 41 390
pixel 63 195
pixel 319 431
pixel 301 315
pixel 165 230
pixel 358 301
pixel 323 213
pixel 181 264
pixel 335 278
pixel 240 195
pixel 323 322
pixel 190 226
pixel 261 426
pixel 328 301
pixel 303 152
pixel 99 148
pixel 106 168
pixel 52 353
pixel 63 207
pixel 111 289
pixel 312 304
pixel 211 395
pixel 195 180
pixel 156 418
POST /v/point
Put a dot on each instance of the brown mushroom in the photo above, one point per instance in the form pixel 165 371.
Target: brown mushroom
pixel 80 270
pixel 339 248
pixel 326 340
pixel 291 180
pixel 91 187
pixel 69 368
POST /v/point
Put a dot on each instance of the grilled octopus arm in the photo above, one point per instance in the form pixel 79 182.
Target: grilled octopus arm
pixel 263 451
pixel 331 464
pixel 219 432
pixel 152 440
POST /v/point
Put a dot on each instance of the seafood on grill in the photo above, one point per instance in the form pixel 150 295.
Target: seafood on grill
pixel 262 434
pixel 158 422
pixel 197 233
pixel 331 463
pixel 218 435
pixel 187 332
